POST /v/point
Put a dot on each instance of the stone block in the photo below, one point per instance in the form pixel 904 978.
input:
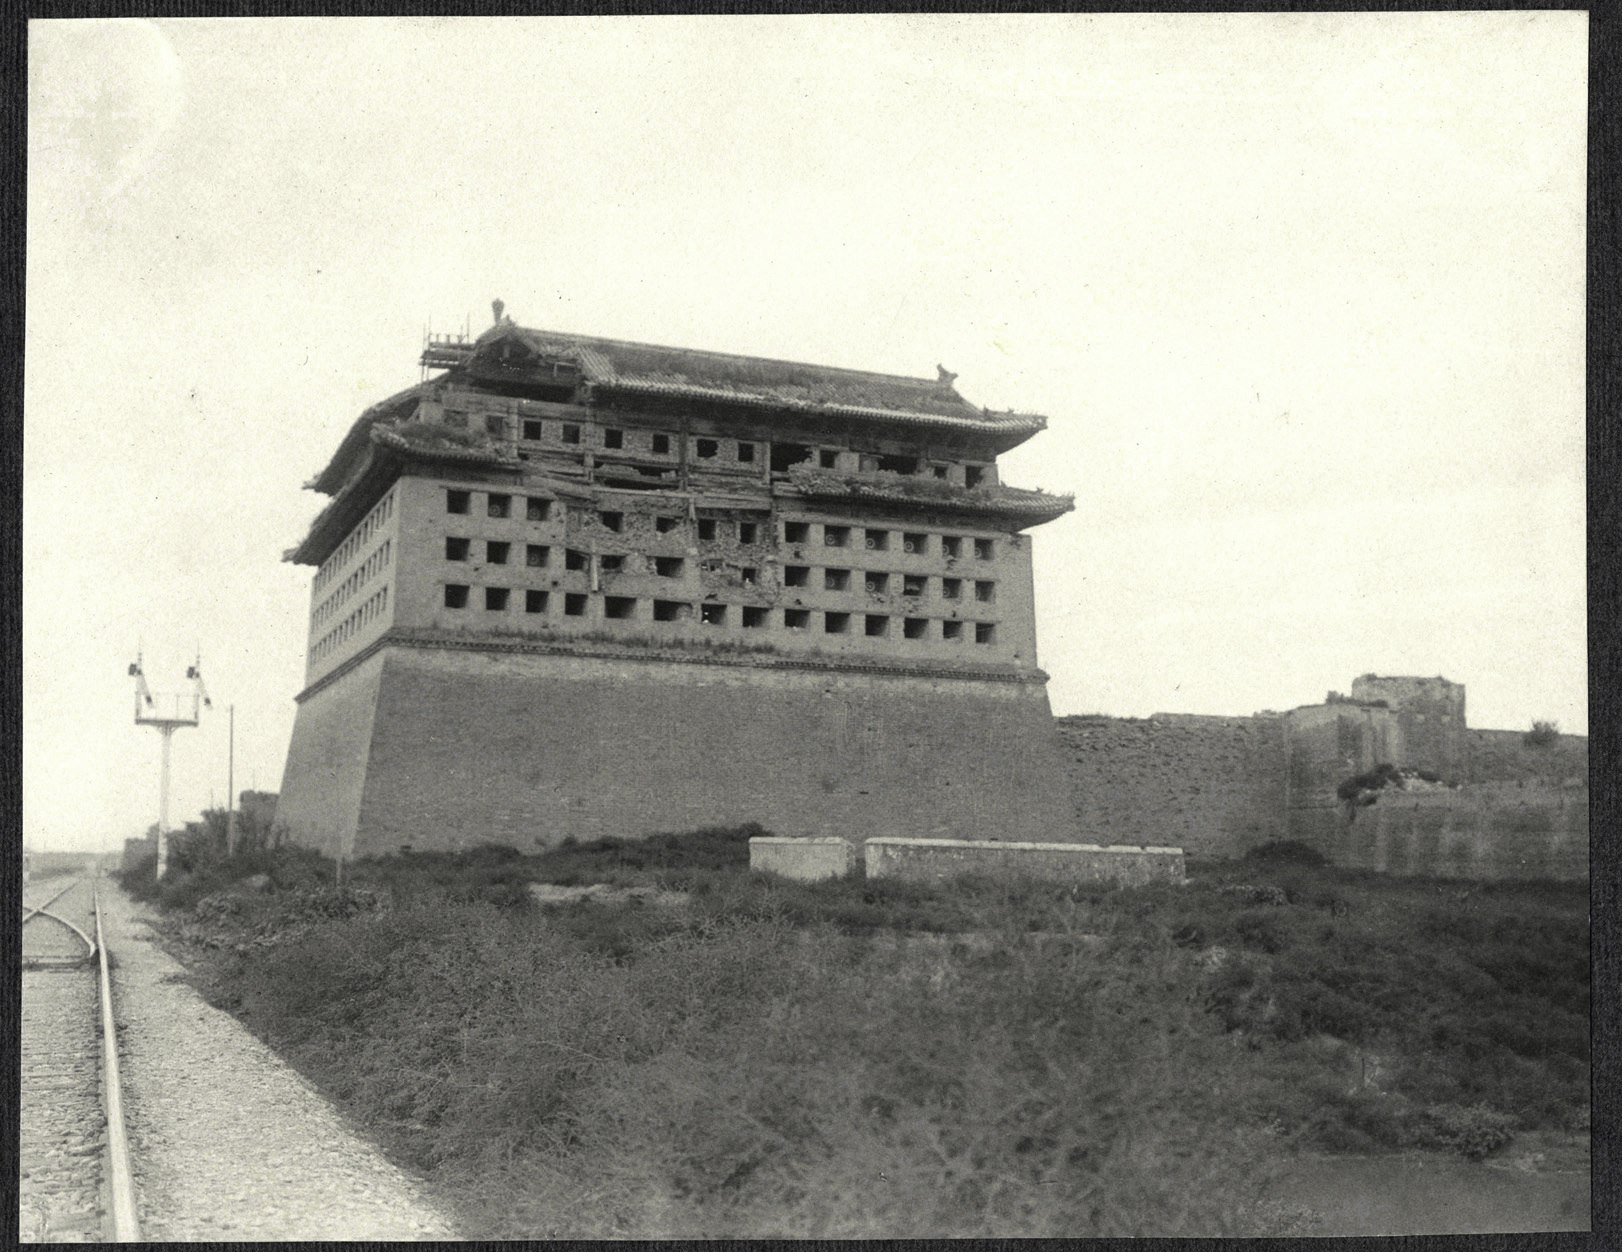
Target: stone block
pixel 808 860
pixel 934 860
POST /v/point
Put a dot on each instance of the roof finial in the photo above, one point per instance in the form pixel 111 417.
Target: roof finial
pixel 496 306
pixel 946 375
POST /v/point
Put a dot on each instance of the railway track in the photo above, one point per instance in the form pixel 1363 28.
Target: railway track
pixel 74 1166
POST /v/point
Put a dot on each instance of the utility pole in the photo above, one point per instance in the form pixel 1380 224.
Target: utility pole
pixel 168 714
pixel 231 786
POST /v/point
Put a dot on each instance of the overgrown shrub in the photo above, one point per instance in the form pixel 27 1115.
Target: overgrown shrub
pixel 674 857
pixel 1260 930
pixel 139 877
pixel 1475 1131
pixel 1381 776
pixel 190 879
pixel 1010 1058
pixel 744 1078
pixel 1542 734
pixel 1286 852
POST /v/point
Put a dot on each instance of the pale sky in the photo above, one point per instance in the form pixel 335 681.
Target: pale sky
pixel 1302 296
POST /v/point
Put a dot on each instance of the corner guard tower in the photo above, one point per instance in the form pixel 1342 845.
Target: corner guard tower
pixel 572 586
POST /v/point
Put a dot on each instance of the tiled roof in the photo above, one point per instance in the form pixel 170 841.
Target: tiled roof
pixel 1014 502
pixel 355 439
pixel 418 440
pixel 439 443
pixel 382 424
pixel 648 369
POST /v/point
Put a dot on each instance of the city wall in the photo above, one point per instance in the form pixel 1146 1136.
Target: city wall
pixel 1480 830
pixel 1505 756
pixel 1213 786
pixel 592 746
pixel 1218 786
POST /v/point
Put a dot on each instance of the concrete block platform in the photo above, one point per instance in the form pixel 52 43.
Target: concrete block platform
pixel 807 860
pixel 933 860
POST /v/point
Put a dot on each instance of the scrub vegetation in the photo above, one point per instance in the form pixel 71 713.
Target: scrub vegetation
pixel 759 1058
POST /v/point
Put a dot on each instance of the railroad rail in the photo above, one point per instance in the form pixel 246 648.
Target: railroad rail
pixel 56 960
pixel 73 1105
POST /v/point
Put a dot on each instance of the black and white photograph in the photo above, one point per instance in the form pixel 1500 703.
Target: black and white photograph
pixel 805 626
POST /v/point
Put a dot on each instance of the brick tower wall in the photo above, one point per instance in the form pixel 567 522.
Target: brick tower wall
pixel 319 803
pixel 470 746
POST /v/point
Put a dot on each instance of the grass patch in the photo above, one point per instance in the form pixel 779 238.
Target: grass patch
pixel 770 1059
pixel 194 873
pixel 742 1078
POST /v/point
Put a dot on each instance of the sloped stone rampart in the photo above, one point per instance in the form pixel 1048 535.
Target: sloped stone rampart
pixel 463 747
pixel 934 860
pixel 325 776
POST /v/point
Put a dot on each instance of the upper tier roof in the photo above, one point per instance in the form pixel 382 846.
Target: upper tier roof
pixel 616 365
pixel 513 354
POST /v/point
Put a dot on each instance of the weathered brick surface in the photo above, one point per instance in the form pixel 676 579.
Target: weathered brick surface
pixel 1501 830
pixel 1505 756
pixel 1329 743
pixel 935 860
pixel 420 573
pixel 1220 785
pixel 469 747
pixel 1211 785
pixel 1429 712
pixel 320 799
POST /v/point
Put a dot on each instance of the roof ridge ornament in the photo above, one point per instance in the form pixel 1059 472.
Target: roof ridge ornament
pixel 945 376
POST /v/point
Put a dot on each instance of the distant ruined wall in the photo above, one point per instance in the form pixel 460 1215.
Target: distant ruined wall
pixel 1329 743
pixel 1477 831
pixel 1217 786
pixel 1430 717
pixel 48 864
pixel 1520 809
pixel 1504 755
pixel 1213 786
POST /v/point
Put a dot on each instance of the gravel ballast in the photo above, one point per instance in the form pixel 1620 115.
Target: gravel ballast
pixel 59 1112
pixel 60 1124
pixel 229 1142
